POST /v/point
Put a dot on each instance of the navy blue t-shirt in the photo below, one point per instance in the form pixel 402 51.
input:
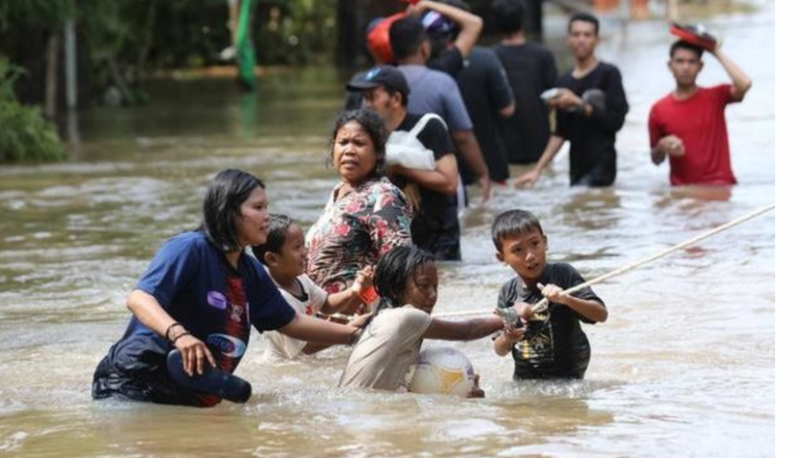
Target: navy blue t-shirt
pixel 217 303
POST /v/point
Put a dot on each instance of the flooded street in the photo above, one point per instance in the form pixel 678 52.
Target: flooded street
pixel 684 366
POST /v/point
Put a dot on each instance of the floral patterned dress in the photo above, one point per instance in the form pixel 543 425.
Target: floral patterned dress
pixel 355 230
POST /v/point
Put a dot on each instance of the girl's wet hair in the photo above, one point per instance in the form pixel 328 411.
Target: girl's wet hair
pixel 374 127
pixel 229 189
pixel 393 271
pixel 513 223
pixel 275 236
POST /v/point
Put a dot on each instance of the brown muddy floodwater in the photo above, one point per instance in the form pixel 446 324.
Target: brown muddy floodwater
pixel 685 366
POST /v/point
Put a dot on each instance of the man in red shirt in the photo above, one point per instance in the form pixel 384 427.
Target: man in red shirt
pixel 688 125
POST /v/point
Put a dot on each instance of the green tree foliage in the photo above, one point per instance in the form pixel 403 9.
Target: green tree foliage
pixel 25 134
pixel 295 32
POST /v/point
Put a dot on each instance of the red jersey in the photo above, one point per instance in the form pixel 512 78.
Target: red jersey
pixel 699 122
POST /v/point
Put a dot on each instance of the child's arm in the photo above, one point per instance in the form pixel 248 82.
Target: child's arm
pixel 315 347
pixel 463 330
pixel 592 310
pixel 350 296
pixel 504 343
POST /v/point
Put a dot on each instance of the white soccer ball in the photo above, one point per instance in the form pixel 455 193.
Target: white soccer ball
pixel 443 370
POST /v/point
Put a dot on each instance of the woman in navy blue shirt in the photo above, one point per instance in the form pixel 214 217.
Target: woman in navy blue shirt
pixel 200 295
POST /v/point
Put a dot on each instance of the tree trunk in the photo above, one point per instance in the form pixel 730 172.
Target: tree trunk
pixel 51 83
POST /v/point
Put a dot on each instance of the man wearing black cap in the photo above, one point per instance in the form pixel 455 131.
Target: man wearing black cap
pixel 435 226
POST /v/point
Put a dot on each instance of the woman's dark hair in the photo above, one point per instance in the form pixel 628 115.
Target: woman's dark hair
pixel 512 223
pixel 508 15
pixel 393 271
pixel 275 236
pixel 373 125
pixel 228 190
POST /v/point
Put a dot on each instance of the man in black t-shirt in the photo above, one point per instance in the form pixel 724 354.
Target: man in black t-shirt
pixel 591 106
pixel 435 226
pixel 531 71
pixel 487 95
pixel 489 100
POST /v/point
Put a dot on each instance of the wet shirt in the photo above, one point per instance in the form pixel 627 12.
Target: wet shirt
pixel 435 227
pixel 592 154
pixel 436 92
pixel 449 61
pixel 355 230
pixel 216 302
pixel 531 70
pixel 699 122
pixel 309 302
pixel 556 347
pixel 486 90
pixel 387 349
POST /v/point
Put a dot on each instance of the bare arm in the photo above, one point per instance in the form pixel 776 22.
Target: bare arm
pixel 193 351
pixel 504 343
pixel 467 145
pixel 463 330
pixel 471 25
pixel 310 329
pixel 508 111
pixel 554 145
pixel 351 296
pixel 740 82
pixel 670 145
pixel 442 179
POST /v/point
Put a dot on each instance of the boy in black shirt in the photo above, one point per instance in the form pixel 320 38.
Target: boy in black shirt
pixel 551 344
pixel 591 107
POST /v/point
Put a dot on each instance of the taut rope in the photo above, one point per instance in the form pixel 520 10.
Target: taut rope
pixel 542 303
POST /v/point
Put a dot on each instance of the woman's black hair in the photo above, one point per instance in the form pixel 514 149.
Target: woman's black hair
pixel 275 236
pixel 393 271
pixel 228 190
pixel 374 127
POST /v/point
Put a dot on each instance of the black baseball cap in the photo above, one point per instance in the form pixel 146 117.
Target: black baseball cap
pixel 387 76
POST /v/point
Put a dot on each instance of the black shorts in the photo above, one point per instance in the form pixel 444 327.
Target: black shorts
pixel 135 369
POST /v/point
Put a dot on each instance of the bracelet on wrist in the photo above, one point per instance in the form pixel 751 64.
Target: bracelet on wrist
pixel 183 334
pixel 169 329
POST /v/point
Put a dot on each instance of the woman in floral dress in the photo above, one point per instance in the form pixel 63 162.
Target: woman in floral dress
pixel 366 215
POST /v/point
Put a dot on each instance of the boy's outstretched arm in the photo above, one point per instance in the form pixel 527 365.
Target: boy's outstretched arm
pixel 592 310
pixel 341 300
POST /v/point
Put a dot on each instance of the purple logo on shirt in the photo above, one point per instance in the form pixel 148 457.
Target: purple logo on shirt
pixel 217 300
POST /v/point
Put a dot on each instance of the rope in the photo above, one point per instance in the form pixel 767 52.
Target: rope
pixel 543 302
